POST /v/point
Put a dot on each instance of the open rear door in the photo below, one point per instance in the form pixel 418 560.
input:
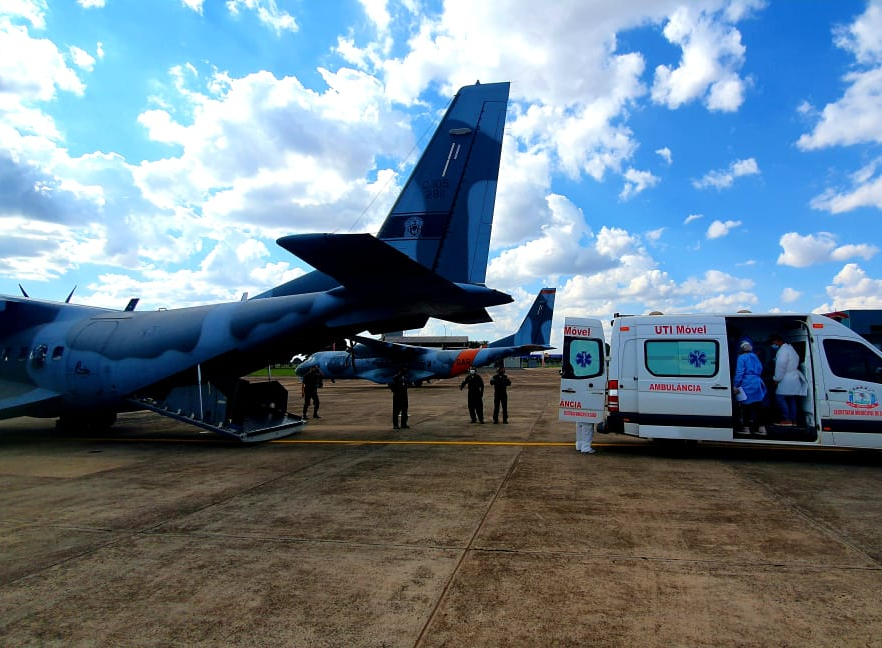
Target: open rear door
pixel 583 374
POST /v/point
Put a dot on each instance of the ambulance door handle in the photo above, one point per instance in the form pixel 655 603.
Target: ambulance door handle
pixel 568 391
pixel 838 390
pixel 719 387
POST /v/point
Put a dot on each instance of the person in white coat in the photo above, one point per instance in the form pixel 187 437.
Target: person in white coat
pixel 584 435
pixel 790 384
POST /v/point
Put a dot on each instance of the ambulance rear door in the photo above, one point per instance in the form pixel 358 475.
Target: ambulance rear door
pixel 583 373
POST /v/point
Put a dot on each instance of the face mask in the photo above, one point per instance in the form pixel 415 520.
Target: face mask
pixel 472 371
pixel 774 347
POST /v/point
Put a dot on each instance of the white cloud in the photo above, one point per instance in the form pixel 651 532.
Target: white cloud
pixel 863 37
pixel 719 229
pixel 377 12
pixel 265 152
pixel 692 218
pixel 726 303
pixel 803 251
pixel 790 295
pixel 723 179
pixel 33 11
pixel 852 288
pixel 522 206
pixel 574 113
pixel 654 236
pixel 32 69
pixel 854 119
pixel 714 281
pixel 712 54
pixel 267 11
pixel 665 154
pixel 82 59
pixel 857 117
pixel 636 181
pixel 865 191
pixel 195 5
pixel 558 249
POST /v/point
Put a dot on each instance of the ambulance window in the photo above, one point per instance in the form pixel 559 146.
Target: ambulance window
pixel 853 360
pixel 694 358
pixel 582 358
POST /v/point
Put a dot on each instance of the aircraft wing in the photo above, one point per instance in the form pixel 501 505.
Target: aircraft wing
pixel 20 399
pixel 392 350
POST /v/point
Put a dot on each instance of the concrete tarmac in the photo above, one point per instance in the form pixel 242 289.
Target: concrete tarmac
pixel 447 534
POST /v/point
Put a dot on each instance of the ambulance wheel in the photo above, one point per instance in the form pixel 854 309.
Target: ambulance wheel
pixel 676 445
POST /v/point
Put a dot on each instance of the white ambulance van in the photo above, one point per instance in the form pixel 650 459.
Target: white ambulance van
pixel 670 377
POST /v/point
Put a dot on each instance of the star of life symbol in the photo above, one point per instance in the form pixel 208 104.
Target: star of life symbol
pixel 413 227
pixel 697 358
pixel 583 358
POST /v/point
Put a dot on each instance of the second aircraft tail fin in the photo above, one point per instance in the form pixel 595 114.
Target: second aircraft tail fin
pixel 536 327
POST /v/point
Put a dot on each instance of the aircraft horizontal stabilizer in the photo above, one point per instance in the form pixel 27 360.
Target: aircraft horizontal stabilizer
pixel 480 316
pixel 358 261
pixel 367 266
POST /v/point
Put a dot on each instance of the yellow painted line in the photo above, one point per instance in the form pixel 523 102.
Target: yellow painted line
pixel 544 444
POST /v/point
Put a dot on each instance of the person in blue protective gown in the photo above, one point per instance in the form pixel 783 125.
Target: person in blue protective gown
pixel 750 390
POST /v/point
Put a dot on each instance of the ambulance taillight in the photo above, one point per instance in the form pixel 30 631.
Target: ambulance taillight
pixel 612 395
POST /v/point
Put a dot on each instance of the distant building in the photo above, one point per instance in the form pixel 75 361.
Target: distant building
pixel 866 323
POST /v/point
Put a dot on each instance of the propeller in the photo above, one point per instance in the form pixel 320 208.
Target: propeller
pixel 66 301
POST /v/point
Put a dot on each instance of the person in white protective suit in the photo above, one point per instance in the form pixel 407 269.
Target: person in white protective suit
pixel 790 384
pixel 584 435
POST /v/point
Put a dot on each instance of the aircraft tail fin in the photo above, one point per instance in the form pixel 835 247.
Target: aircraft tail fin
pixel 443 217
pixel 535 330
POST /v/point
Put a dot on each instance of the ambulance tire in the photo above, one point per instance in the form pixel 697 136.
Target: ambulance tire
pixel 677 445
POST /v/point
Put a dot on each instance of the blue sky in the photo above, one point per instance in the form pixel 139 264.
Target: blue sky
pixel 659 155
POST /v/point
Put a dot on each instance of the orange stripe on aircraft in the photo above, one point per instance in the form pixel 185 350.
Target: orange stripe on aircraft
pixel 463 361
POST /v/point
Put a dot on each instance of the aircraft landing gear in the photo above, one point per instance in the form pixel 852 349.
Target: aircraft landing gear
pixel 86 422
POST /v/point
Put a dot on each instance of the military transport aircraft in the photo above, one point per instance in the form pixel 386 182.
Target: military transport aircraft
pixel 84 364
pixel 379 361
